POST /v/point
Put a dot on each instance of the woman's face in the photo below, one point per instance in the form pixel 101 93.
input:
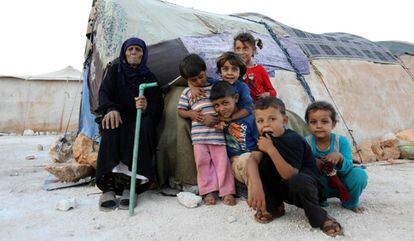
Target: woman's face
pixel 133 55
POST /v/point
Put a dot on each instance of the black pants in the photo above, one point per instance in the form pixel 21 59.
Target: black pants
pixel 301 190
pixel 117 146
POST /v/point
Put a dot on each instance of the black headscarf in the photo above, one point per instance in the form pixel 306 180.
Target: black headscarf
pixel 125 68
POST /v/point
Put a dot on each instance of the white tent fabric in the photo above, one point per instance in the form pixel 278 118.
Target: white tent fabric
pixel 41 103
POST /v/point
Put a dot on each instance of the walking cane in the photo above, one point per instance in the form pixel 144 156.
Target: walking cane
pixel 142 87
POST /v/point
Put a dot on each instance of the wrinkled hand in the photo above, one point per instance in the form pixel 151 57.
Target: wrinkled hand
pixel 141 103
pixel 262 95
pixel 334 157
pixel 111 120
pixel 196 115
pixel 210 120
pixel 256 197
pixel 265 144
pixel 197 92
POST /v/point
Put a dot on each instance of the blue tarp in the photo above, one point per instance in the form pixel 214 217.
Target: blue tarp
pixel 87 124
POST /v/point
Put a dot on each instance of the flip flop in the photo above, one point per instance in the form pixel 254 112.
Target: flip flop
pixel 108 201
pixel 124 200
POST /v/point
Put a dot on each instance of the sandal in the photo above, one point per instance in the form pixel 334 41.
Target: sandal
pixel 229 200
pixel 209 199
pixel 108 201
pixel 263 217
pixel 124 200
pixel 331 227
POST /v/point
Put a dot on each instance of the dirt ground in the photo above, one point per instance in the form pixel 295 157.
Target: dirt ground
pixel 28 213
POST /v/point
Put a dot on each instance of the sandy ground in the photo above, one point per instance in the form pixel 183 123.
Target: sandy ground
pixel 28 213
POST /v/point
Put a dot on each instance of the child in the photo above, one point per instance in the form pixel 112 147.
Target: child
pixel 241 135
pixel 335 149
pixel 256 76
pixel 283 170
pixel 213 166
pixel 231 68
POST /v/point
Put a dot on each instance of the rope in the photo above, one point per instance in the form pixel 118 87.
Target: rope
pixel 299 76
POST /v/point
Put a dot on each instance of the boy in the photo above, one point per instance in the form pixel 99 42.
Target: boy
pixel 241 135
pixel 283 170
pixel 213 166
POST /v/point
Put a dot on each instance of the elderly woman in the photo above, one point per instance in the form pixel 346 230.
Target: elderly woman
pixel 118 105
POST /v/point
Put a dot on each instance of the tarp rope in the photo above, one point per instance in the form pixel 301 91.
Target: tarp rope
pixel 350 131
pixel 299 76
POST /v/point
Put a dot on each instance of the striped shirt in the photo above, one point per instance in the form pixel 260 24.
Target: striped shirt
pixel 201 134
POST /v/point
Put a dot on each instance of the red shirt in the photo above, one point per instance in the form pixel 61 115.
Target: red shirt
pixel 258 81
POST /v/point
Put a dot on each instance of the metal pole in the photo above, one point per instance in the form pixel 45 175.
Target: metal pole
pixel 142 87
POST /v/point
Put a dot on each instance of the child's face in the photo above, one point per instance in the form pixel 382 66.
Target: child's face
pixel 270 120
pixel 229 72
pixel 320 123
pixel 226 106
pixel 245 50
pixel 198 81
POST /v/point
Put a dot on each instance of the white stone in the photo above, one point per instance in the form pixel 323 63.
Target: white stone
pixel 66 204
pixel 39 147
pixel 28 132
pixel 231 219
pixel 188 199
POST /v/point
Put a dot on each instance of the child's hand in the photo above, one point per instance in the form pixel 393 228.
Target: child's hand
pixel 256 197
pixel 262 95
pixel 335 158
pixel 210 120
pixel 197 92
pixel 196 115
pixel 265 144
pixel 221 125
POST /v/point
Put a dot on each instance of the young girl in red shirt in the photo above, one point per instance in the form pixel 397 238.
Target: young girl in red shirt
pixel 256 76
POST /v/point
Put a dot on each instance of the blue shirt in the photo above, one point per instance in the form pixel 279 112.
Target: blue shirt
pixel 338 143
pixel 241 136
pixel 245 100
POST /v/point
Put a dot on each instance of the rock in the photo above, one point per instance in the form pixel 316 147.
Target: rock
pixel 39 147
pixel 365 150
pixel 61 150
pixel 406 135
pixel 14 174
pixel 231 219
pixel 70 172
pixel 98 227
pixel 85 151
pixel 28 132
pixel 387 147
pixel 31 157
pixel 66 204
pixel 188 199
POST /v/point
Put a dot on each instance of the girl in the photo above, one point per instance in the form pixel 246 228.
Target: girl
pixel 256 76
pixel 231 68
pixel 328 147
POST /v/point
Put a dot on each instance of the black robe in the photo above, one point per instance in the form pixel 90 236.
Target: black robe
pixel 117 92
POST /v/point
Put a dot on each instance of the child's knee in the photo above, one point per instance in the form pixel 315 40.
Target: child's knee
pixel 358 177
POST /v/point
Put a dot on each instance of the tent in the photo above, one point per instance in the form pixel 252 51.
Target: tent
pixel 46 102
pixel 368 85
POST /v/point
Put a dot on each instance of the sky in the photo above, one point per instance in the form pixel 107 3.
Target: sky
pixel 47 35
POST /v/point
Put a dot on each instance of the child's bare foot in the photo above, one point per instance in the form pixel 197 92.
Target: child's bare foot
pixel 358 210
pixel 229 200
pixel 210 199
pixel 331 227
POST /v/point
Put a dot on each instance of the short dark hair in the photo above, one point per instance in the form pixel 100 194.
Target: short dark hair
pixel 222 89
pixel 248 37
pixel 270 101
pixel 191 66
pixel 234 59
pixel 320 105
